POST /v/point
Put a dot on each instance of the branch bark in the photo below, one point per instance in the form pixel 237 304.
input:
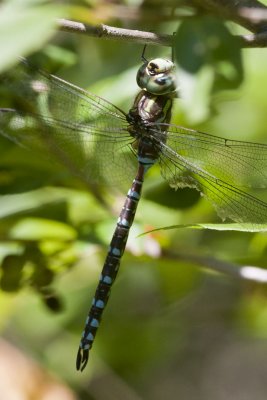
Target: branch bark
pixel 254 40
pixel 110 32
pixel 246 272
pixel 143 37
pixel 232 11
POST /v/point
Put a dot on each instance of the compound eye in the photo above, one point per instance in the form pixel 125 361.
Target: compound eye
pixel 157 76
pixel 153 68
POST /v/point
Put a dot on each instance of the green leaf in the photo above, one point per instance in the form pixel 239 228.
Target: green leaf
pixel 24 28
pixel 42 275
pixel 13 205
pixel 11 276
pixel 51 299
pixel 209 58
pixel 41 229
pixel 244 227
pixel 207 41
pixel 164 195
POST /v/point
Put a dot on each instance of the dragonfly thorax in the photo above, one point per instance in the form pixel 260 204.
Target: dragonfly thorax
pixel 145 117
pixel 157 76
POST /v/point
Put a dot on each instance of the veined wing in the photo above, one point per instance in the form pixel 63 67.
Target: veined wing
pixel 228 200
pixel 81 129
pixel 66 101
pixel 241 164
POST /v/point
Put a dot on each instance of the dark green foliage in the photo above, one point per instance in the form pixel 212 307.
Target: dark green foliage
pixel 12 273
pixel 207 42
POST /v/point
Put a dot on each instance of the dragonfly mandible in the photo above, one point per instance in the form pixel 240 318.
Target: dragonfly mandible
pixel 56 116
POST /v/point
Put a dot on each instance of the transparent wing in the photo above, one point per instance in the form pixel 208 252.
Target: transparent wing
pixel 240 164
pixel 182 169
pixel 83 131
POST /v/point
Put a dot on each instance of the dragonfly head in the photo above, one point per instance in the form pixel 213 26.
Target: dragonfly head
pixel 157 76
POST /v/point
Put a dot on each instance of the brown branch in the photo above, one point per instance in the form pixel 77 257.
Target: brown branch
pixel 247 272
pixel 143 37
pixel 254 40
pixel 110 32
pixel 232 11
pixel 254 15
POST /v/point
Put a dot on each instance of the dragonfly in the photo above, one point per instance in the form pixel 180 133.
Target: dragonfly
pixel 96 138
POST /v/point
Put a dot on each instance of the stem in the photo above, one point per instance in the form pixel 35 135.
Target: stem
pixel 246 272
pixel 143 37
pixel 110 32
pixel 232 11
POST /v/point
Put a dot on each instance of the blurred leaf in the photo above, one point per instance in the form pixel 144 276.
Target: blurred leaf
pixel 11 276
pixel 207 41
pixel 28 201
pixel 209 57
pixel 42 275
pixel 52 300
pixel 176 283
pixel 113 88
pixel 16 180
pixel 38 273
pixel 181 198
pixel 244 227
pixel 24 27
pixel 253 313
pixel 196 92
pixel 41 229
pixel 60 56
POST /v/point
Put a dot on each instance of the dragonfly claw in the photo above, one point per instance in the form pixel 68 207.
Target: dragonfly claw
pixel 82 359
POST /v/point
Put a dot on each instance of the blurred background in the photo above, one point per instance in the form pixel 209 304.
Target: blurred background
pixel 174 328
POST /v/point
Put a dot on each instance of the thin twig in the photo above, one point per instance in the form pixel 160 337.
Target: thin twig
pixel 247 272
pixel 232 11
pixel 110 32
pixel 254 40
pixel 255 15
pixel 143 37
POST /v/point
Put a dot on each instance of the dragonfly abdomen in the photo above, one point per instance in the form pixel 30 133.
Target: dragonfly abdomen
pixel 110 268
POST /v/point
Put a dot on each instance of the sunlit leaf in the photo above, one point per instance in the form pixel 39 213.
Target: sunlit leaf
pixel 41 229
pixel 24 28
pixel 244 227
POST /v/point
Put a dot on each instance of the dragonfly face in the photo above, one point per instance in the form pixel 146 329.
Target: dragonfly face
pixel 157 76
pixel 152 105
